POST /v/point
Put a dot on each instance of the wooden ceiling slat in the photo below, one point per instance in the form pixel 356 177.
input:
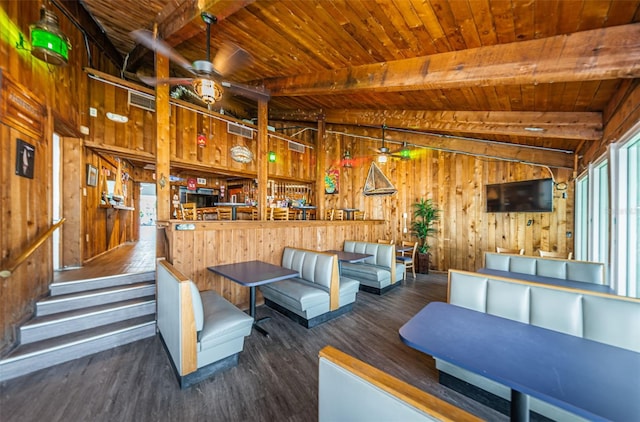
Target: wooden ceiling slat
pixel 408 13
pixel 503 18
pixel 468 30
pixel 481 12
pixel 588 90
pixel 620 11
pixel 523 20
pixel 545 19
pixel 389 33
pixel 447 20
pixel 395 18
pixel 431 24
pixel 595 15
pixel 569 16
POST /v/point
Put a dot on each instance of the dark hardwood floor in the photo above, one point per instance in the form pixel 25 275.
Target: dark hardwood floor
pixel 276 379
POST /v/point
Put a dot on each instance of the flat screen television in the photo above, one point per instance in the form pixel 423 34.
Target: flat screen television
pixel 525 196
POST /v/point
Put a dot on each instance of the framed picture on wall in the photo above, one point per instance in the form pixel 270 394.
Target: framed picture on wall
pixel 25 158
pixel 92 175
pixel 331 181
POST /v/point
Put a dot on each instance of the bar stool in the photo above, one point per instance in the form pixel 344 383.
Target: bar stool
pixel 550 254
pixel 511 251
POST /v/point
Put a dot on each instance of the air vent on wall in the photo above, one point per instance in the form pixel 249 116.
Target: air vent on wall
pixel 143 101
pixel 293 146
pixel 236 129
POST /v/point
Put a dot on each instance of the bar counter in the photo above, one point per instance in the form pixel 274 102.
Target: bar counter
pixel 192 246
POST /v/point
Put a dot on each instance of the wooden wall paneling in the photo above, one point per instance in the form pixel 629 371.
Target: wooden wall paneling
pixel 25 215
pixel 74 178
pixel 214 243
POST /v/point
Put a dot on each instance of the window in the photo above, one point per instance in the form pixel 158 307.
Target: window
pixel 626 217
pixel 607 217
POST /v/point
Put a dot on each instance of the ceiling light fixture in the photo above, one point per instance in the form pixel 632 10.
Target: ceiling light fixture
pixel 207 90
pixel 534 129
pixel 48 43
pixel 382 158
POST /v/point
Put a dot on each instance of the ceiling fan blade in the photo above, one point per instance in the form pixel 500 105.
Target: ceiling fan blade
pixel 376 150
pixel 152 81
pixel 146 38
pixel 230 58
pixel 251 92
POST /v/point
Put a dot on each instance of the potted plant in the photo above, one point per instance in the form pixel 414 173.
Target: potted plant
pixel 425 214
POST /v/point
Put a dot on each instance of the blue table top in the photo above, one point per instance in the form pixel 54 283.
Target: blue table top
pixel 550 280
pixel 253 273
pixel 349 256
pixel 591 379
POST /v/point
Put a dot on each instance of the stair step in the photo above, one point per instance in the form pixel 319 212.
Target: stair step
pixel 64 303
pixel 58 324
pixel 43 354
pixel 68 287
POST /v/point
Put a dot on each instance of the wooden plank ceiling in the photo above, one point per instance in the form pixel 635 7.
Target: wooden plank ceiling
pixel 536 73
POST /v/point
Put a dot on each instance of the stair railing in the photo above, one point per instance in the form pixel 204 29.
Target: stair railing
pixel 31 249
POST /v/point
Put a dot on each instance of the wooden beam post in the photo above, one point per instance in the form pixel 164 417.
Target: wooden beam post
pixel 261 155
pixel 163 141
pixel 321 159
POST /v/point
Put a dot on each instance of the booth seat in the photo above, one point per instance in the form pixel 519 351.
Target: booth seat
pixel 351 390
pixel 202 332
pixel 317 295
pixel 377 274
pixel 542 269
pixel 605 318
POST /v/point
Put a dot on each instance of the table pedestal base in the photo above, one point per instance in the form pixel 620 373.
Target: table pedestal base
pixel 519 407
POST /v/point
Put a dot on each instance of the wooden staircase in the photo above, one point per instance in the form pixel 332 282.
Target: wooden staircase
pixel 83 317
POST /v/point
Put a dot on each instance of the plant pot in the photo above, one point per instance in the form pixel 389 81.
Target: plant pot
pixel 422 266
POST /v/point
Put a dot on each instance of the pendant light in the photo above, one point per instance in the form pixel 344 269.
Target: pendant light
pixel 48 43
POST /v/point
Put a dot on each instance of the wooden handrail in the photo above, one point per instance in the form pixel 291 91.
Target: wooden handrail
pixel 31 249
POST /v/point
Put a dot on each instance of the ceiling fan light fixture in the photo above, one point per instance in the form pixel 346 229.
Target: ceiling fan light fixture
pixel 207 90
pixel 382 158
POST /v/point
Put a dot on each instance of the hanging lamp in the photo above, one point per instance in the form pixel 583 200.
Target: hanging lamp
pixel 48 42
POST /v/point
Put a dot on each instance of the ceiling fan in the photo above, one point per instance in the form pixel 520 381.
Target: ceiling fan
pixel 207 77
pixel 403 153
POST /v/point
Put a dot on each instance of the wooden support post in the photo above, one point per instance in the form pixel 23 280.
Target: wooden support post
pixel 263 162
pixel 163 144
pixel 320 167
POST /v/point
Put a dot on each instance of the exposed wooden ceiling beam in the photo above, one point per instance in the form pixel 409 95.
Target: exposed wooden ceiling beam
pixel 557 125
pixel 600 54
pixel 178 14
pixel 80 17
pixel 490 149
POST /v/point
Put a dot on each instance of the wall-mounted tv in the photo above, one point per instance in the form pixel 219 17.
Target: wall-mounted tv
pixel 524 196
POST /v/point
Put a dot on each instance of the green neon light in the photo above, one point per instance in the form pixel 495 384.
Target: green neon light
pixel 272 157
pixel 405 153
pixel 51 43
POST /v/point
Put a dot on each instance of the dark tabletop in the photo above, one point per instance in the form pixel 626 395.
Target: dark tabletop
pixel 253 273
pixel 594 380
pixel 349 256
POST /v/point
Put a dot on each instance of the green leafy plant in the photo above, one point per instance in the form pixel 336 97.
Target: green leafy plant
pixel 425 214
